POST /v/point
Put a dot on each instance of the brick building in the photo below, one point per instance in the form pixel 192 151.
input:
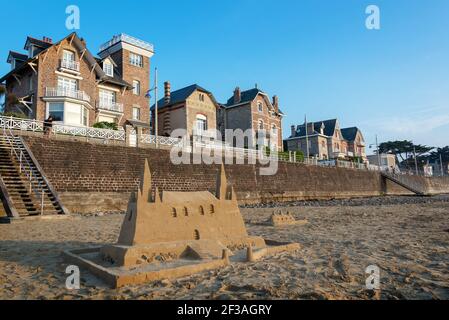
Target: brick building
pixel 253 110
pixel 66 81
pixel 192 108
pixel 327 140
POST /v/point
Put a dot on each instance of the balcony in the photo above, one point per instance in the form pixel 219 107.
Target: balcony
pixel 110 106
pixel 70 65
pixel 66 93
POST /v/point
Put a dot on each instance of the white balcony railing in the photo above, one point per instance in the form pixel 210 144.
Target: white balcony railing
pixel 66 92
pixel 70 65
pixel 110 106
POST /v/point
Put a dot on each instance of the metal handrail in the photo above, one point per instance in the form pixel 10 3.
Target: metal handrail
pixel 38 193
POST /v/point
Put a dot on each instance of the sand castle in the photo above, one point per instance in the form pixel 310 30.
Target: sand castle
pixel 174 234
pixel 284 219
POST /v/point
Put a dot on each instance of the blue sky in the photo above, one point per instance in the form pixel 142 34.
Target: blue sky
pixel 316 55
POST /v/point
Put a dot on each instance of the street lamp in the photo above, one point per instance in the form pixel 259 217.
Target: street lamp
pixel 378 153
pixel 155 106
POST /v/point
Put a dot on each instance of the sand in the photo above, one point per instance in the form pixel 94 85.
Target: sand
pixel 408 242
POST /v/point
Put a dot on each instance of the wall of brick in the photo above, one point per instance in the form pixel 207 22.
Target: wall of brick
pixel 77 169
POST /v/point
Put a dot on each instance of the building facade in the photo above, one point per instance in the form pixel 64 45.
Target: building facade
pixel 254 111
pixel 66 81
pixel 192 108
pixel 327 140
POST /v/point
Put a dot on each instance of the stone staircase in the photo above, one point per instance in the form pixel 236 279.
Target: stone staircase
pixel 24 189
pixel 404 182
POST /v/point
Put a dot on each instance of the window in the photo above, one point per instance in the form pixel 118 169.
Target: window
pixel 136 60
pixel 108 68
pixel 136 113
pixel 84 116
pixel 260 125
pixel 56 110
pixel 260 106
pixel 30 83
pixel 201 97
pixel 107 98
pixel 201 124
pixel 68 56
pixel 274 129
pixel 136 87
pixel 67 84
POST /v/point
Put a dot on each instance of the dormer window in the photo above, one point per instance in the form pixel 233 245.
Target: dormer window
pixel 108 68
pixel 31 50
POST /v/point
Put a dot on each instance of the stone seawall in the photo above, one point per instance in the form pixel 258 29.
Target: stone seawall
pixel 93 177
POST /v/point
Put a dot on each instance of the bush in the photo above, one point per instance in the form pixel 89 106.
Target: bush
pixel 106 125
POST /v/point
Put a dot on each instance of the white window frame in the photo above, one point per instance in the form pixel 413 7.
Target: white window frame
pixel 67 83
pixel 201 124
pixel 68 53
pixel 136 59
pixel 107 97
pixel 139 113
pixel 108 68
pixel 136 87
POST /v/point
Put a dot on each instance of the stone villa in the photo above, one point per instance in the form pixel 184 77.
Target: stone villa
pixel 253 110
pixel 192 108
pixel 67 81
pixel 327 140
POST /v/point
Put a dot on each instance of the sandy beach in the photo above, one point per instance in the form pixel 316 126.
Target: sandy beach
pixel 408 241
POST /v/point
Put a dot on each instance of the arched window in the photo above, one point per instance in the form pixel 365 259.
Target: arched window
pixel 201 124
pixel 201 210
pixel 196 235
pixel 211 209
pixel 174 213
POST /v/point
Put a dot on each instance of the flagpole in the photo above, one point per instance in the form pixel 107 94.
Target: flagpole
pixel 155 108
pixel 307 138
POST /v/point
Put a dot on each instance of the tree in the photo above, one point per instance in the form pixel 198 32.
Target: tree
pixel 2 97
pixel 404 152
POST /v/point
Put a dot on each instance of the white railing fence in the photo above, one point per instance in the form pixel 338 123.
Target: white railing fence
pixel 11 123
pixel 67 92
pixel 70 64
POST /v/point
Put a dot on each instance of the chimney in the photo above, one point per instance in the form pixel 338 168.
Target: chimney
pixel 167 89
pixel 237 95
pixel 293 130
pixel 47 40
pixel 310 128
pixel 276 103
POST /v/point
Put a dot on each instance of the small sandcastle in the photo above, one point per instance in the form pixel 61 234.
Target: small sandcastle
pixel 174 234
pixel 278 219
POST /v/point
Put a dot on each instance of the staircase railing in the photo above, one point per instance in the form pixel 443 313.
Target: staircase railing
pixel 26 168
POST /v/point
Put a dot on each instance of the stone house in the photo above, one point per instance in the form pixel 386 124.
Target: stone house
pixel 253 110
pixel 327 140
pixel 66 81
pixel 191 108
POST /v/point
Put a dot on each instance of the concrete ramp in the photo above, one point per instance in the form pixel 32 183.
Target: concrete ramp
pixel 405 182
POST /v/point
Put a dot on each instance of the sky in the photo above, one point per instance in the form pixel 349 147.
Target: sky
pixel 316 55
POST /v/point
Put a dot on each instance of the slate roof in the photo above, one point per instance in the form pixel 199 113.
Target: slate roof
pixel 246 96
pixel 37 42
pixel 17 56
pixel 329 128
pixel 349 133
pixel 180 96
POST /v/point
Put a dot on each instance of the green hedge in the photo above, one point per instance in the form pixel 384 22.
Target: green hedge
pixel 106 125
